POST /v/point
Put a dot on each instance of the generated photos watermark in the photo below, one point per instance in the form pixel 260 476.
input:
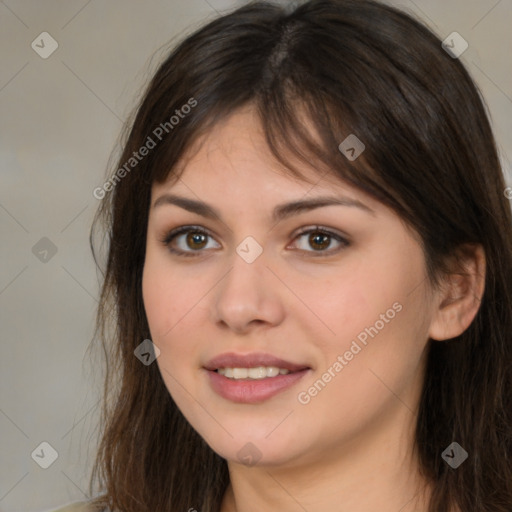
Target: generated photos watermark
pixel 44 455
pixel 157 135
pixel 454 455
pixel 146 352
pixel 304 397
pixel 352 147
pixel 249 454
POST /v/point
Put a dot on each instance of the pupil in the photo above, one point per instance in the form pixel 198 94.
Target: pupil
pixel 196 238
pixel 316 240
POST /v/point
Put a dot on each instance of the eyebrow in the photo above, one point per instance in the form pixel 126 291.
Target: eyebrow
pixel 280 212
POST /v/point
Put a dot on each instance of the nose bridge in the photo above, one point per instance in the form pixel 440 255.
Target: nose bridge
pixel 245 295
pixel 245 280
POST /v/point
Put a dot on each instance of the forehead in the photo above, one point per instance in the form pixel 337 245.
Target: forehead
pixel 234 158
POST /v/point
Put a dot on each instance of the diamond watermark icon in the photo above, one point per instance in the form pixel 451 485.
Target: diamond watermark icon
pixel 44 45
pixel 249 454
pixel 352 147
pixel 146 352
pixel 45 455
pixel 455 45
pixel 454 455
pixel 44 250
pixel 249 249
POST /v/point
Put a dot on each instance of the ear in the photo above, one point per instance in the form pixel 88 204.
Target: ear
pixel 460 296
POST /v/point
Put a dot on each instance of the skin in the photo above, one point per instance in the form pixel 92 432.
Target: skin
pixel 351 446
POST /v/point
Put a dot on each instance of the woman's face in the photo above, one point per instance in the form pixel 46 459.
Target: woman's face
pixel 296 327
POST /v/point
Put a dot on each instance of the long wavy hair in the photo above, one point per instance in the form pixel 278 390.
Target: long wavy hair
pixel 352 67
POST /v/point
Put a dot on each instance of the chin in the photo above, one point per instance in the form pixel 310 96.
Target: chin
pixel 256 447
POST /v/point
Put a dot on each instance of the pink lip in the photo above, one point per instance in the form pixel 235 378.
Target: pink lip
pixel 250 391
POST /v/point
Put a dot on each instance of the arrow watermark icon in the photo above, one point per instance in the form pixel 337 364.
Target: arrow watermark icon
pixel 44 455
pixel 352 147
pixel 455 45
pixel 249 249
pixel 44 45
pixel 146 352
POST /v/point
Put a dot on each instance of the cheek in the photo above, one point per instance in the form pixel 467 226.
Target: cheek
pixel 164 308
pixel 371 279
pixel 378 320
pixel 172 301
pixel 156 293
pixel 344 307
pixel 167 294
pixel 371 378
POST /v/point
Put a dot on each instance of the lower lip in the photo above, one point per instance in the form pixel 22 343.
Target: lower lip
pixel 255 390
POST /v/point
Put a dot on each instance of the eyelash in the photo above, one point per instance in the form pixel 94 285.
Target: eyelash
pixel 170 236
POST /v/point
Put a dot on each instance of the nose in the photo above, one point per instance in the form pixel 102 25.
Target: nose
pixel 248 296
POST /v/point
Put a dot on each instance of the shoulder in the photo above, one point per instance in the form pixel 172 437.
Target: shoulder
pixel 81 506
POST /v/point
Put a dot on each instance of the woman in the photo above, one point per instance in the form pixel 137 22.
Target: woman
pixel 308 275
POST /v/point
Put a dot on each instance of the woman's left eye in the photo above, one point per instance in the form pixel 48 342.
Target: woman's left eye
pixel 191 240
pixel 320 239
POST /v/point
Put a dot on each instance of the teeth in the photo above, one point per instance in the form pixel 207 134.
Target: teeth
pixel 260 372
pixel 257 373
pixel 240 373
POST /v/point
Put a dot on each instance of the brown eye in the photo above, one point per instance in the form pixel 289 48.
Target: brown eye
pixel 188 240
pixel 196 240
pixel 319 240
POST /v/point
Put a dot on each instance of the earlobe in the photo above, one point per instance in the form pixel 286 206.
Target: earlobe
pixel 460 298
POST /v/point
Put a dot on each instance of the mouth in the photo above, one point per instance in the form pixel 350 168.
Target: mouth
pixel 256 373
pixel 252 378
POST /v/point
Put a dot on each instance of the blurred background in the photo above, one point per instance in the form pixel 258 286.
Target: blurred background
pixel 71 73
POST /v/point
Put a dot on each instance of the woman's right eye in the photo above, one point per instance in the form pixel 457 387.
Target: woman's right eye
pixel 190 240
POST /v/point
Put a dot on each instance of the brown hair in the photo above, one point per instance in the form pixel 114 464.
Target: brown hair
pixel 353 66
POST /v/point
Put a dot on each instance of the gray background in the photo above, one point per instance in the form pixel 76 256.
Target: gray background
pixel 60 120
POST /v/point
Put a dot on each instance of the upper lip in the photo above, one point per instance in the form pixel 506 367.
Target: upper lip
pixel 232 360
